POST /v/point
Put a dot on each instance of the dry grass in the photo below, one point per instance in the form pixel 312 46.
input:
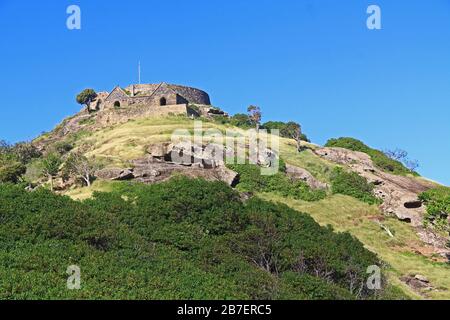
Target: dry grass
pixel 119 144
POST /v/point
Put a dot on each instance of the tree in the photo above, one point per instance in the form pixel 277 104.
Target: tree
pixel 241 120
pixel 402 156
pixel 51 164
pixel 78 165
pixel 293 130
pixel 11 169
pixel 397 154
pixel 412 165
pixel 271 125
pixel 254 113
pixel 86 97
pixel 25 152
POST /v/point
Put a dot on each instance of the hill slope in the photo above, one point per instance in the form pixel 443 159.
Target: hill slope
pixel 403 246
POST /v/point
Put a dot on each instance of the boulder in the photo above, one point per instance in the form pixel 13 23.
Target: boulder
pixel 297 173
pixel 114 174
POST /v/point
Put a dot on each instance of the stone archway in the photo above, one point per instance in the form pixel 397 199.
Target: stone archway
pixel 117 104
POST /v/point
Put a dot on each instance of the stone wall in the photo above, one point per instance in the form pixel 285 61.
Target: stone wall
pixel 121 115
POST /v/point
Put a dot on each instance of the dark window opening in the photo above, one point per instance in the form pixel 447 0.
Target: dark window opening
pixel 117 104
pixel 162 102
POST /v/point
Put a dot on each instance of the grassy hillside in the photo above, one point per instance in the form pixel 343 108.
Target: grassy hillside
pixel 183 239
pixel 117 145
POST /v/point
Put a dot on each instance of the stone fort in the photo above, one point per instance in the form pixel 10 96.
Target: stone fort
pixel 151 96
pixel 147 100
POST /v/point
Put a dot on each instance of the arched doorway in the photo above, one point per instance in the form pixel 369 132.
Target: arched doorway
pixel 117 104
pixel 162 101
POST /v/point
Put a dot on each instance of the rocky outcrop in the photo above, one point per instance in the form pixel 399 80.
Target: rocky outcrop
pixel 418 283
pixel 297 173
pixel 166 159
pixel 399 193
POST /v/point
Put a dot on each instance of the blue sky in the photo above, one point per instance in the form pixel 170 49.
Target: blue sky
pixel 312 61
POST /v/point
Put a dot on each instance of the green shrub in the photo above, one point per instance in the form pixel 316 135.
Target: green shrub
pixel 182 239
pixel 379 158
pixel 251 180
pixel 282 126
pixel 352 184
pixel 437 201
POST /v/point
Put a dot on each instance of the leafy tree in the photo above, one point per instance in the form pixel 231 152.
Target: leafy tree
pixel 294 131
pixel 285 133
pixel 78 165
pixel 11 169
pixel 51 164
pixel 241 120
pixel 25 152
pixel 254 114
pixel 86 97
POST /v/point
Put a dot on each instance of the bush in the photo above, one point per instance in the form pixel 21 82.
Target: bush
pixel 352 184
pixel 251 180
pixel 11 169
pixel 437 201
pixel 182 239
pixel 379 158
pixel 284 130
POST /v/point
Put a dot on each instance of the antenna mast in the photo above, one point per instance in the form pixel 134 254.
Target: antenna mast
pixel 139 72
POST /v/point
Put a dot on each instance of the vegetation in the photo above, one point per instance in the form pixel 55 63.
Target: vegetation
pixel 51 164
pixel 352 184
pixel 184 239
pixel 347 214
pixel 255 115
pixel 78 166
pixel 251 180
pixel 437 201
pixel 11 169
pixel 290 130
pixel 380 159
pixel 86 97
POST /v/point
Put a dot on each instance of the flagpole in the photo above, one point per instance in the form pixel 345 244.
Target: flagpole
pixel 139 72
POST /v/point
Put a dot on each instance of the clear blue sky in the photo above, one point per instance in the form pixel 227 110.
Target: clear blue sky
pixel 312 61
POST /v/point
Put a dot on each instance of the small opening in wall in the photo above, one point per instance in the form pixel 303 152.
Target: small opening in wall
pixel 162 102
pixel 117 104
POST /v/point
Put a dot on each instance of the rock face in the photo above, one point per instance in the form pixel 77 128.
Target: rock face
pixel 399 194
pixel 115 174
pixel 166 159
pixel 418 283
pixel 296 173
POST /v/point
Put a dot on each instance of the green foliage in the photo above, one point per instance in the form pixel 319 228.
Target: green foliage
pixel 251 180
pixel 86 96
pixel 286 129
pixel 379 158
pixel 437 201
pixel 242 121
pixel 183 239
pixel 352 184
pixel 51 164
pixel 11 169
pixel 25 152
